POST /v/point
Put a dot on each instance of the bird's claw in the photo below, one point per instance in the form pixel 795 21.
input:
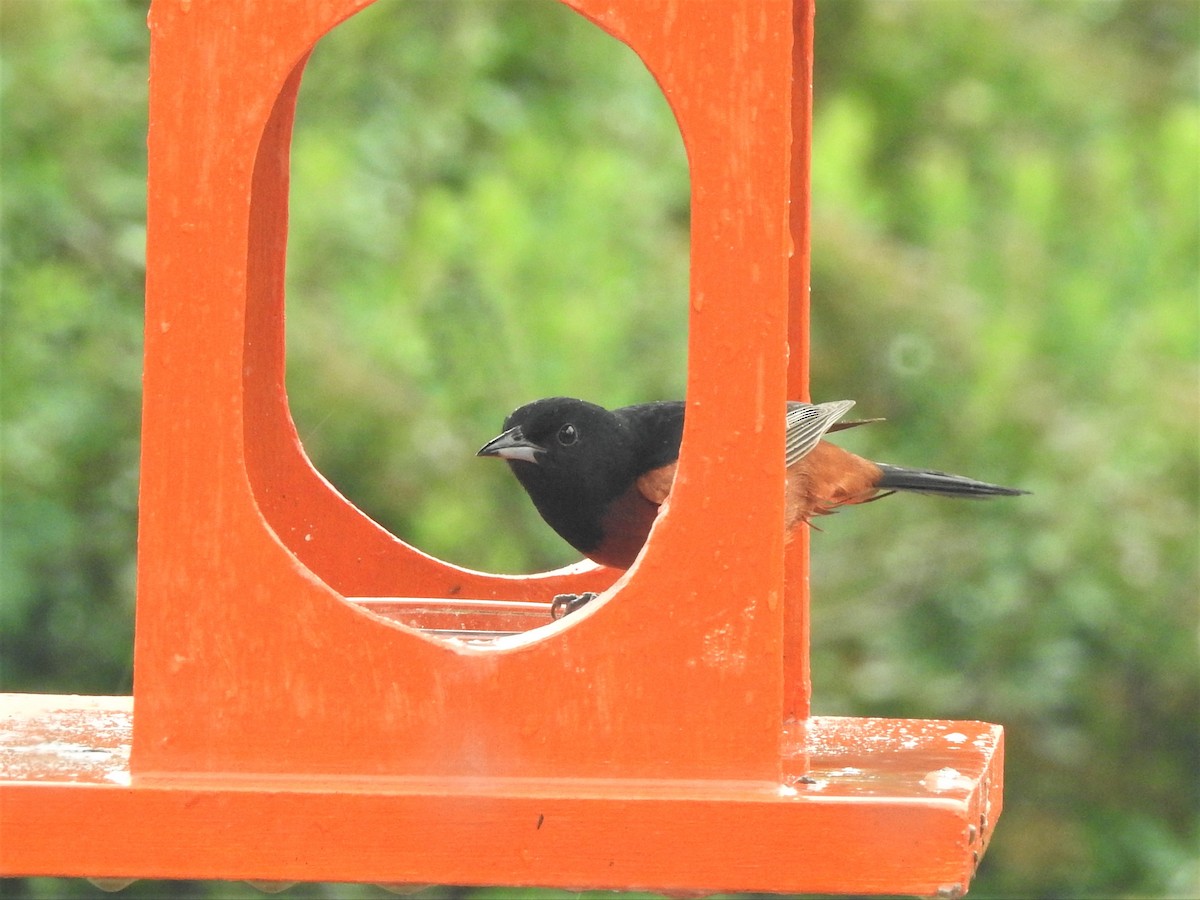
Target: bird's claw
pixel 565 604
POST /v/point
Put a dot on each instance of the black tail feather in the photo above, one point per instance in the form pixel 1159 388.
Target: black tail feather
pixel 927 481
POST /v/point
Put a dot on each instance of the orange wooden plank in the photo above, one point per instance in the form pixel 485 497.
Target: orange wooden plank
pixel 895 806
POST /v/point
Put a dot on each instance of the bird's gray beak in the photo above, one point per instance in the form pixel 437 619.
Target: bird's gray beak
pixel 512 445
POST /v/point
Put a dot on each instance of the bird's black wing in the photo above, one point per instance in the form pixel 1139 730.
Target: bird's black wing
pixel 658 429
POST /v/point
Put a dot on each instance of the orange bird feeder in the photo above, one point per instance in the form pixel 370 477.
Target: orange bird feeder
pixel 316 700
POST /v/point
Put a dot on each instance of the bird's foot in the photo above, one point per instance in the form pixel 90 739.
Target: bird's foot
pixel 565 604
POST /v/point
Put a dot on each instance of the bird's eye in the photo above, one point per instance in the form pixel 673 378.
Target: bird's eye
pixel 567 435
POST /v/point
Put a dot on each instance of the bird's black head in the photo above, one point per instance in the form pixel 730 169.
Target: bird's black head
pixel 572 457
pixel 561 440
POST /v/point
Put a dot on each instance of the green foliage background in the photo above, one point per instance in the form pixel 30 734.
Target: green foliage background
pixel 490 203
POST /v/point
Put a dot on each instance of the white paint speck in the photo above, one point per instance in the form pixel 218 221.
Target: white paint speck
pixel 946 779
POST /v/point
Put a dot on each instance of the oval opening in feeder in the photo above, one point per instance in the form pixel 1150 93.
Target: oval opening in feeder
pixel 394 333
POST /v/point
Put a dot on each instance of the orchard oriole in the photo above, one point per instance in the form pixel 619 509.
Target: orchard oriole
pixel 598 477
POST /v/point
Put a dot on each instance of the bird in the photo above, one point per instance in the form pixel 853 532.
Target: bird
pixel 598 477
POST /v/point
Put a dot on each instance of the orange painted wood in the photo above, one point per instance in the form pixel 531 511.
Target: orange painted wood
pixel 797 685
pixel 246 552
pixel 899 807
pixel 317 699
